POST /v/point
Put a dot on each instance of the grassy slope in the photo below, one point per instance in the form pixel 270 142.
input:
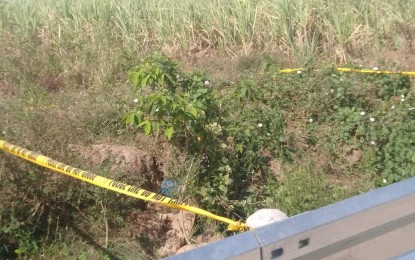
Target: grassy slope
pixel 63 70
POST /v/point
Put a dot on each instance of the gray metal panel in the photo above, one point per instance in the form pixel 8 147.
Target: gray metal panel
pixel 343 225
pixel 407 256
pixel 244 245
pixel 382 246
pixel 330 230
pixel 344 233
pixel 309 220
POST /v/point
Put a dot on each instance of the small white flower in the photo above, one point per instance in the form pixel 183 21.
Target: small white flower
pixel 341 79
pixel 157 109
pixel 384 181
pixel 333 75
pixel 227 169
pixel 393 107
pixel 372 142
pixel 298 71
pixel 372 119
pixel 402 99
pixel 332 90
pixel 214 128
pixel 402 96
pixel 268 134
pixel 310 120
pixel 260 125
pixel 177 76
pixel 135 100
pixel 207 83
pixel 375 68
pixel 362 113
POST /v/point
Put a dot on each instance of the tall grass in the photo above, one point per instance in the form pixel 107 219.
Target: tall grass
pixel 234 27
pixel 86 43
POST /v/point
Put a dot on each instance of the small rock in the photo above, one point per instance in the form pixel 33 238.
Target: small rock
pixel 264 217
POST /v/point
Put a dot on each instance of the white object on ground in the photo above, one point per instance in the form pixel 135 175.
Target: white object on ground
pixel 264 217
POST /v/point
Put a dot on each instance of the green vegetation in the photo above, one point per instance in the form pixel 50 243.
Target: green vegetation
pixel 235 134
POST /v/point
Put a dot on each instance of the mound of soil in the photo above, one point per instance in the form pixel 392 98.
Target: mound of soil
pixel 126 163
pixel 156 225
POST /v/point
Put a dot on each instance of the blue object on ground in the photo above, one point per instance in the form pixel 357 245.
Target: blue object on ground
pixel 169 187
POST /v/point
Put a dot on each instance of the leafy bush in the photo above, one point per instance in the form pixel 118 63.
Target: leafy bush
pixel 387 125
pixel 397 139
pixel 304 189
pixel 169 101
pixel 231 142
pixel 237 131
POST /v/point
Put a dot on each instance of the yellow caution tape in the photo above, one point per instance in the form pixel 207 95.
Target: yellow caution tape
pixel 290 70
pixel 367 71
pixel 406 73
pixel 113 185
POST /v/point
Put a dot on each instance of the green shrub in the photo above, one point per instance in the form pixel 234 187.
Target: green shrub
pixel 230 132
pixel 170 101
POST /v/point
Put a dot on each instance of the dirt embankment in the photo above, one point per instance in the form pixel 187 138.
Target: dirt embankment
pixel 153 222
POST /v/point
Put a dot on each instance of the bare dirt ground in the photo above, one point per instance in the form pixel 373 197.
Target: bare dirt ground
pixel 172 230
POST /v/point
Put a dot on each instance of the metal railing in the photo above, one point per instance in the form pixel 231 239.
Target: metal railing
pixel 379 224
